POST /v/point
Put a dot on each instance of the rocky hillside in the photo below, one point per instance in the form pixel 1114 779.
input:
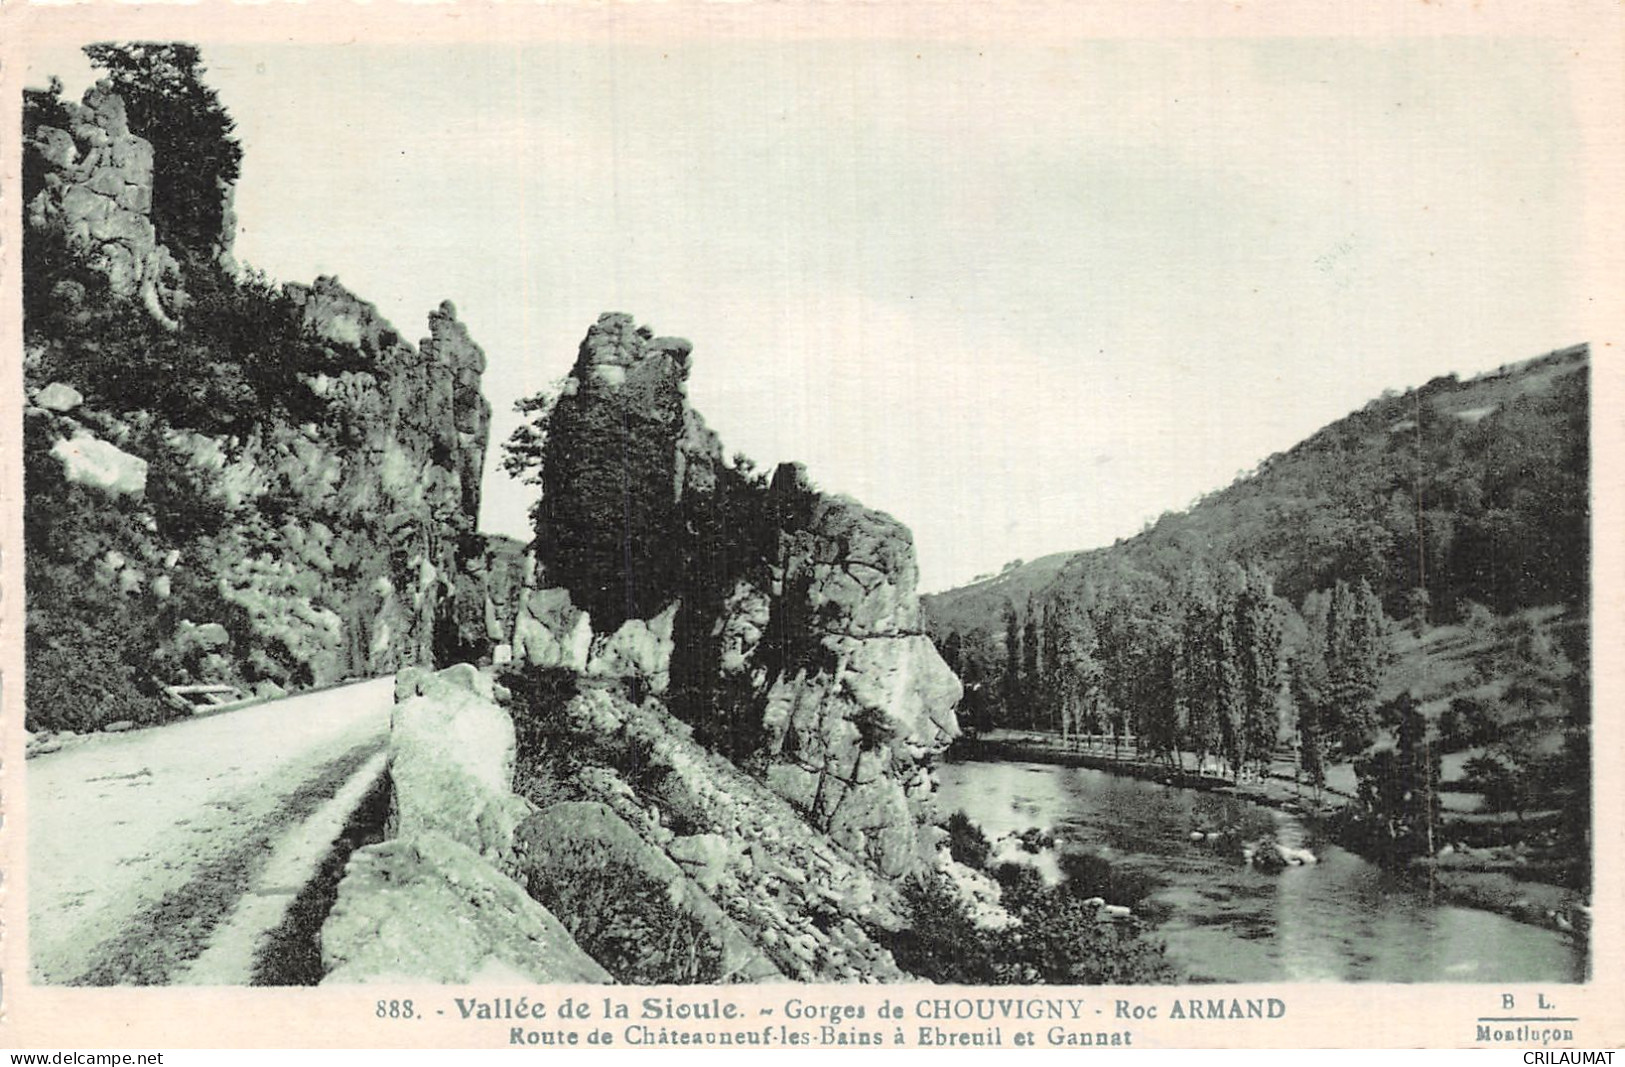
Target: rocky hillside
pixel 708 755
pixel 780 623
pixel 633 856
pixel 685 735
pixel 228 482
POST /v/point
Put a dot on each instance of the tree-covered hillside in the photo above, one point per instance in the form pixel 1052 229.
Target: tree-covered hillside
pixel 1456 492
pixel 1272 612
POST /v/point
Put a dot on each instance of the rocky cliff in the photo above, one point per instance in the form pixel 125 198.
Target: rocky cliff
pixel 629 854
pixel 97 192
pixel 780 622
pixel 708 755
pixel 228 481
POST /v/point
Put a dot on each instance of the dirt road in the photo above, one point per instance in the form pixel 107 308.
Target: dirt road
pixel 171 855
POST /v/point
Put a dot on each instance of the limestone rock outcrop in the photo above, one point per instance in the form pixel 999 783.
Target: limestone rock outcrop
pixel 639 792
pixel 770 610
pixel 426 909
pixel 361 575
pixel 333 547
pixel 610 510
pixel 451 761
pixel 850 729
pixel 435 902
pixel 98 195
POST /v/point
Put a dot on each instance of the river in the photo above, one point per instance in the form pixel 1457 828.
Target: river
pixel 1342 919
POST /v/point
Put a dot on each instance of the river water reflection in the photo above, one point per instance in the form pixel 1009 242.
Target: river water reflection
pixel 1342 919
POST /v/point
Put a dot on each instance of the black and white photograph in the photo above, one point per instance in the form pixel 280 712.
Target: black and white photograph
pixel 809 510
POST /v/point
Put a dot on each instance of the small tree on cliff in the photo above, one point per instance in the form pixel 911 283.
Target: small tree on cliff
pixel 195 157
pixel 522 451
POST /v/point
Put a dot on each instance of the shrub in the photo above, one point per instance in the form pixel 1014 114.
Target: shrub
pixel 1467 723
pixel 539 697
pixel 1088 875
pixel 1503 787
pixel 1058 939
pixel 81 651
pixel 88 647
pixel 966 841
pixel 941 943
pixel 626 921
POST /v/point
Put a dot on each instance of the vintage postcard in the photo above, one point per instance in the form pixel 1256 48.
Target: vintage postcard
pixel 830 526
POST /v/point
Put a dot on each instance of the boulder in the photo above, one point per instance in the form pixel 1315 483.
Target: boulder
pixel 639 652
pixel 59 397
pixel 551 632
pixel 88 460
pixel 208 635
pixel 429 910
pixel 581 838
pixel 265 689
pixel 1296 857
pixel 1272 857
pixel 704 857
pixel 451 760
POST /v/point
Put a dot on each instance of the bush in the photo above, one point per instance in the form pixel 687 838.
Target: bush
pixel 1088 875
pixel 1468 722
pixel 1504 788
pixel 539 698
pixel 88 647
pixel 966 841
pixel 941 943
pixel 626 922
pixel 81 654
pixel 1058 938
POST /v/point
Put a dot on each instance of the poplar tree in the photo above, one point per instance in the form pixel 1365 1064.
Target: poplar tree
pixel 1197 674
pixel 1356 656
pixel 1032 681
pixel 1076 668
pixel 1259 627
pixel 1306 673
pixel 1012 667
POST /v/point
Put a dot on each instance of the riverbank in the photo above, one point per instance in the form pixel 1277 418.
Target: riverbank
pixel 1473 878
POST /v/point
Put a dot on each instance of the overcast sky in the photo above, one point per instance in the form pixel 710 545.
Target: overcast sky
pixel 1023 298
